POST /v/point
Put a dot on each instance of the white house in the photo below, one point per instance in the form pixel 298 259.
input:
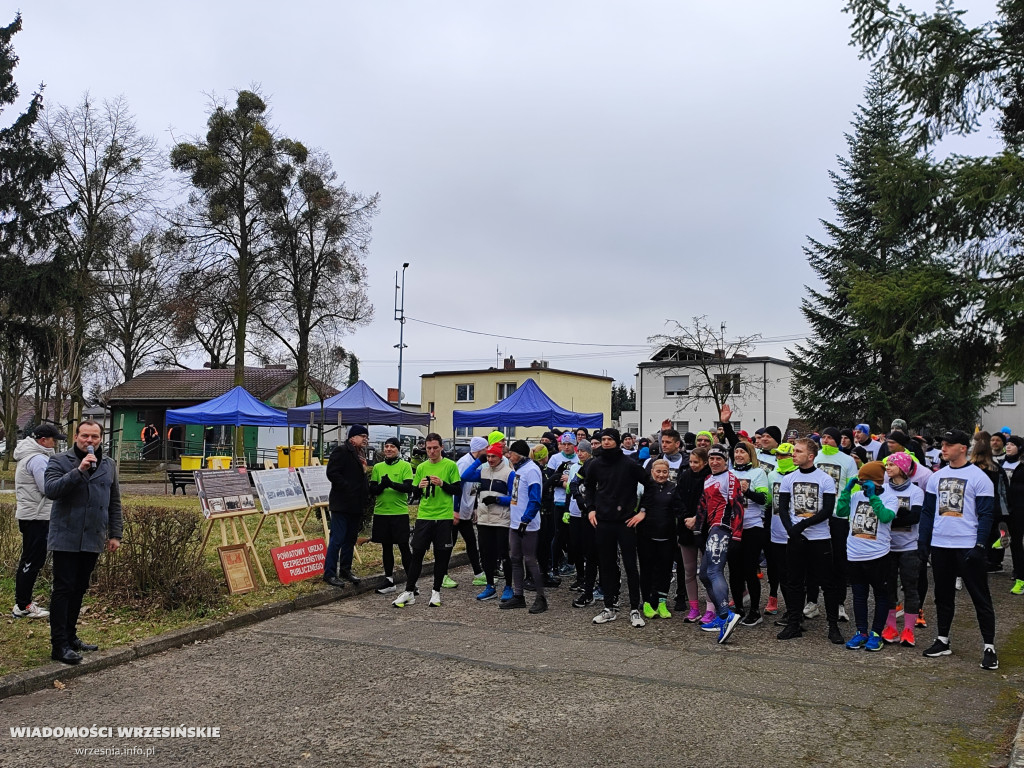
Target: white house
pixel 757 389
pixel 1007 410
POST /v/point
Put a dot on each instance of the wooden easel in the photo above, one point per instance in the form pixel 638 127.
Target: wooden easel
pixel 291 523
pixel 236 519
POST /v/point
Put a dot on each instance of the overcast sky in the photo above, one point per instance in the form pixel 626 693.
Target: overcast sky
pixel 568 171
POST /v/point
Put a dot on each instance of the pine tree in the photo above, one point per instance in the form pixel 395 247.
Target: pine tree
pixel 876 352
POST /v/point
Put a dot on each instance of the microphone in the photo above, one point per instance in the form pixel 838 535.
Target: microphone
pixel 92 452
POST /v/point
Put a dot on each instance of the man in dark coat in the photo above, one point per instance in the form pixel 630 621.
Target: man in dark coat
pixel 350 494
pixel 85 519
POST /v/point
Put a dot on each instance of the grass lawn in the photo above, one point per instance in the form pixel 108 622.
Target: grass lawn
pixel 25 643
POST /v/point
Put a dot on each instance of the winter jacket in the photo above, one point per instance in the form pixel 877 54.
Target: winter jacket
pixel 718 509
pixel 29 480
pixel 662 509
pixel 611 485
pixel 690 488
pixel 350 491
pixel 86 510
pixel 493 493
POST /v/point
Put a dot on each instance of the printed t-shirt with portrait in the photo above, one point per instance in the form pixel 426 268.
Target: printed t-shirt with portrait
pixel 767 461
pixel 435 504
pixel 869 537
pixel 753 478
pixel 526 475
pixel 839 466
pixel 390 501
pixel 561 464
pixel 904 538
pixel 956 493
pixel 807 498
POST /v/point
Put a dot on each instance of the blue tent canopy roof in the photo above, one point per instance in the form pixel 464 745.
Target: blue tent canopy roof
pixel 236 408
pixel 528 406
pixel 358 404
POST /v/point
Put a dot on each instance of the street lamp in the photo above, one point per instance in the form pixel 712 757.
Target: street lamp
pixel 400 317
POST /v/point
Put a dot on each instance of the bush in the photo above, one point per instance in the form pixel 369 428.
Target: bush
pixel 10 539
pixel 160 560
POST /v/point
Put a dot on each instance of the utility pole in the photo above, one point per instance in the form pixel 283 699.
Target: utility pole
pixel 400 317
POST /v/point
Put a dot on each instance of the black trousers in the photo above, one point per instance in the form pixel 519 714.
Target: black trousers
pixel 71 572
pixel 1015 522
pixel 656 558
pixel 809 558
pixel 560 551
pixel 744 561
pixel 33 555
pixel 776 556
pixel 547 536
pixel 494 552
pixel 468 531
pixel 947 564
pixel 583 549
pixel 613 538
pixel 839 531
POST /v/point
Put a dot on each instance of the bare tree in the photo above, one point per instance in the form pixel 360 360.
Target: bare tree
pixel 199 318
pixel 108 171
pixel 714 362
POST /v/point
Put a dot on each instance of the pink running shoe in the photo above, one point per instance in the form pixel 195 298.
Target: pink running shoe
pixel 693 615
pixel 708 617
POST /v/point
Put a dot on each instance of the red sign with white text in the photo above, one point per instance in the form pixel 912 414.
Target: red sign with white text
pixel 300 561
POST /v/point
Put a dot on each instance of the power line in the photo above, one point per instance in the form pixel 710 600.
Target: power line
pixel 519 338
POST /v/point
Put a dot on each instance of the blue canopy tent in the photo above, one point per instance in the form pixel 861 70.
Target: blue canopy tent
pixel 357 404
pixel 234 408
pixel 528 406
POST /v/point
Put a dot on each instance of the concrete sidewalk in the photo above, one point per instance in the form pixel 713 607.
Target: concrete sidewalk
pixel 360 683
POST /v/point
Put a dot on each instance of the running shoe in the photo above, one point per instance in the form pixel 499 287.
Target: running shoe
pixel 449 582
pixel 857 642
pixel 404 599
pixel 959 583
pixel 480 580
pixel 598 593
pixel 582 601
pixel 938 648
pixel 989 660
pixel 907 638
pixel 715 625
pixel 1018 587
pixel 663 611
pixel 649 611
pixel 773 606
pixel 506 594
pixel 636 620
pixel 920 623
pixel 516 601
pixel 388 588
pixel 693 616
pixel 899 610
pixel 874 642
pixel 890 634
pixel 752 619
pixel 435 599
pixel 30 611
pixel 608 614
pixel 834 635
pixel 843 616
pixel 708 617
pixel 489 593
pixel 728 626
pixel 811 611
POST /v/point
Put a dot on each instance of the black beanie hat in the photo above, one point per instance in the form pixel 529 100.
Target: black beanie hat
pixel 898 437
pixel 1018 441
pixel 521 447
pixel 774 433
pixel 393 441
pixel 357 429
pixel 613 434
pixel 833 433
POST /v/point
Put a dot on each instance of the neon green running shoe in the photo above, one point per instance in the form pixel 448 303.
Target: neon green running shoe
pixel 449 582
pixel 480 580
pixel 663 610
pixel 1018 587
pixel 648 611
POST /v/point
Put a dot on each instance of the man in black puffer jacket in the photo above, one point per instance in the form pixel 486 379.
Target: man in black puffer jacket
pixel 350 494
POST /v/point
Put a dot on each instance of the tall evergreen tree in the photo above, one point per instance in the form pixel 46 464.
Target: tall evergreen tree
pixel 876 351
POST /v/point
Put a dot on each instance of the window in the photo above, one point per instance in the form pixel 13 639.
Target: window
pixel 1006 395
pixel 505 388
pixel 682 427
pixel 430 407
pixel 464 393
pixel 463 431
pixel 676 386
pixel 728 383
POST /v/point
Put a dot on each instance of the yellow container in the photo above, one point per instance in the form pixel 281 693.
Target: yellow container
pixel 218 462
pixel 292 456
pixel 191 462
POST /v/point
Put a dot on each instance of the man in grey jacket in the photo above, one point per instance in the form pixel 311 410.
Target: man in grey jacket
pixel 85 519
pixel 33 515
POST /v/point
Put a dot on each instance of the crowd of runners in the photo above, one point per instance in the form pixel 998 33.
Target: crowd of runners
pixel 841 514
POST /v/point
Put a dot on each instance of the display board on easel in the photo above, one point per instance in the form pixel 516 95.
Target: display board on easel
pixel 318 492
pixel 226 497
pixel 281 496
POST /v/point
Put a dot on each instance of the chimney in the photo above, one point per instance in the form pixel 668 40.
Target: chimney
pixel 278 367
pixel 539 364
pixel 719 353
pixel 509 363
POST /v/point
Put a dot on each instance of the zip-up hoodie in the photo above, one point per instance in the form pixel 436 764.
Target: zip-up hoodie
pixel 662 509
pixel 29 483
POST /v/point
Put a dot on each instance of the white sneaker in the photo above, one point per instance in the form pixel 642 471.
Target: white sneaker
pixel 811 611
pixel 959 583
pixel 636 619
pixel 435 599
pixel 32 611
pixel 388 588
pixel 608 614
pixel 842 613
pixel 404 599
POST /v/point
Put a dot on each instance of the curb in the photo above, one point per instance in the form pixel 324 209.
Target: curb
pixel 1017 751
pixel 31 680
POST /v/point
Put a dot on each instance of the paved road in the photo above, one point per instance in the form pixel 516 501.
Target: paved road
pixel 358 683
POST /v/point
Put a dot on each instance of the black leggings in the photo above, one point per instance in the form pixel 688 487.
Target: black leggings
pixel 494 552
pixel 388 557
pixel 744 561
pixel 611 539
pixel 465 527
pixel 776 556
pixel 583 549
pixel 656 558
pixel 1015 522
pixel 547 537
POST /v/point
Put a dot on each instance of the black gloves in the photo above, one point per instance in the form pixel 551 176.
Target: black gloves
pixel 977 554
pixel 522 528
